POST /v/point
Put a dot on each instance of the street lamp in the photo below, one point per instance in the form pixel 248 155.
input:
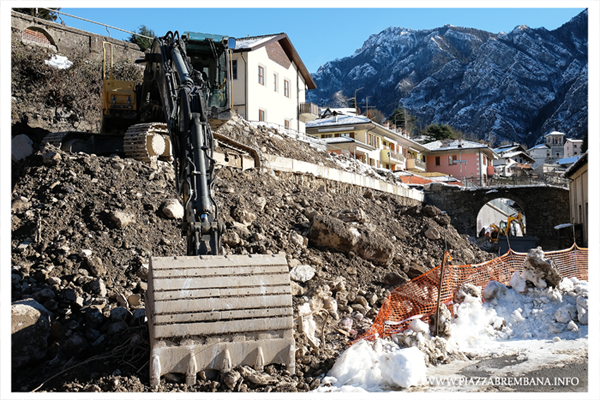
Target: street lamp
pixel 355 103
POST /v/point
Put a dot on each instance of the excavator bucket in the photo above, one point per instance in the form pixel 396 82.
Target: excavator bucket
pixel 217 312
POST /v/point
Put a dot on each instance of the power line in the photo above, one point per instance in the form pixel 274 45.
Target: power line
pixel 98 23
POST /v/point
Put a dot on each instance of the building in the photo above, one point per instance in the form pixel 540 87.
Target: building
pixel 466 161
pixel 368 141
pixel 512 160
pixel 577 174
pixel 551 150
pixel 572 147
pixel 269 82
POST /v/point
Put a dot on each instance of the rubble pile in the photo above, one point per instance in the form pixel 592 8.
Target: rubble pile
pixel 84 227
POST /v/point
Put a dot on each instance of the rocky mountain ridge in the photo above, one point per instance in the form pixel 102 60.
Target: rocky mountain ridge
pixel 514 86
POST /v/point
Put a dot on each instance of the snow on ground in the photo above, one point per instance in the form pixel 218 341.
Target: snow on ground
pixel 537 326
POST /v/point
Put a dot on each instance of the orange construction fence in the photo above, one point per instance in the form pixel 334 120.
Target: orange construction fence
pixel 417 298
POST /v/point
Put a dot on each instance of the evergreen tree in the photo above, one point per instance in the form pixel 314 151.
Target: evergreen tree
pixel 143 42
pixel 440 131
pixel 41 13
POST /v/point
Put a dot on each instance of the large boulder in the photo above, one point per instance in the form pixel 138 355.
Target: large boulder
pixel 30 329
pixel 332 233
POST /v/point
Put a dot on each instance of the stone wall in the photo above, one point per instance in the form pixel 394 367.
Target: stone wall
pixel 66 40
pixel 543 206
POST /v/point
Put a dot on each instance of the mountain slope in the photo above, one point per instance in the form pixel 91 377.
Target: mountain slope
pixel 516 86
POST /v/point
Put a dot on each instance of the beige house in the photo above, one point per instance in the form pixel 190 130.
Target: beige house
pixel 578 195
pixel 269 82
pixel 368 141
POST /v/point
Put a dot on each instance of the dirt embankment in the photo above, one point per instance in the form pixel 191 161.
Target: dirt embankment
pixel 84 227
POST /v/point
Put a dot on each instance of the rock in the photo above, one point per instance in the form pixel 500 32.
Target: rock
pixel 443 219
pixel 94 265
pixel 119 314
pixel 297 239
pixel 432 233
pixel 121 219
pixel 431 211
pixel 93 317
pixel 346 323
pixel 537 268
pixel 172 209
pixel 297 290
pixel 302 273
pixel 134 300
pixel 332 233
pixel 231 378
pixel 75 344
pixel 51 158
pixel 21 147
pixel 243 216
pixel 353 215
pixel 142 272
pixel 98 287
pixel 395 279
pixel 116 328
pixel 30 329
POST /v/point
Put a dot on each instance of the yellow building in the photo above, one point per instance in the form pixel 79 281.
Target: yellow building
pixel 578 195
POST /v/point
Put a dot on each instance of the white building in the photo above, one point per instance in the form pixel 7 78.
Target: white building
pixel 269 82
pixel 573 147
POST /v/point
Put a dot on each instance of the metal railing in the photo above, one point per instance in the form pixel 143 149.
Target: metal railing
pixel 308 108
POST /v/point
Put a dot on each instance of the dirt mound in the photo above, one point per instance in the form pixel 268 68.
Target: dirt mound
pixel 84 226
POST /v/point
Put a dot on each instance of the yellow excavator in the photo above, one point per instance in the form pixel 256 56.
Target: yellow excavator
pixel 505 228
pixel 205 310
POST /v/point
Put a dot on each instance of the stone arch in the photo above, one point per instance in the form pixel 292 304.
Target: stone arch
pixel 39 37
pixel 544 206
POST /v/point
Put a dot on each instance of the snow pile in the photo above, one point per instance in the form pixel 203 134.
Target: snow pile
pixel 60 62
pixel 374 367
pixel 350 164
pixel 508 314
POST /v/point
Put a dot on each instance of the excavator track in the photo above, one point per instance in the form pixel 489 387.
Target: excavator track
pixel 54 138
pixel 229 142
pixel 147 142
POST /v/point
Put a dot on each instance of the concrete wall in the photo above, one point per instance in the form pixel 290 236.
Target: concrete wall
pixel 289 165
pixel 66 40
pixel 544 206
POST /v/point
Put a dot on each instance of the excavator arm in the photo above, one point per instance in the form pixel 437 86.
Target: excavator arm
pixel 183 94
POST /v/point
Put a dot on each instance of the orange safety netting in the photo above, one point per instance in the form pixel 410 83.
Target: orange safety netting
pixel 417 298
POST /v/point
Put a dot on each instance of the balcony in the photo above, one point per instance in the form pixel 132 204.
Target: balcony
pixel 412 164
pixel 391 157
pixel 308 112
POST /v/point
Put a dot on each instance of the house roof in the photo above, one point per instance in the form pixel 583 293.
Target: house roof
pixel 340 119
pixel 456 145
pixel 568 160
pixel 576 165
pixel 252 43
pixel 517 153
pixel 540 146
pixel 555 133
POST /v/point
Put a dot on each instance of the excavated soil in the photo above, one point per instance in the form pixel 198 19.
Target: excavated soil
pixel 84 226
pixel 63 204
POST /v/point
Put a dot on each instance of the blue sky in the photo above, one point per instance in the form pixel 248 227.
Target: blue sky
pixel 318 34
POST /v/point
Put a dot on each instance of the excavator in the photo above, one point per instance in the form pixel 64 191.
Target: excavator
pixel 205 310
pixel 505 228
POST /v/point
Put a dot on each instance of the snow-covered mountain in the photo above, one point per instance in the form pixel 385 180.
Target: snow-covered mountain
pixel 517 86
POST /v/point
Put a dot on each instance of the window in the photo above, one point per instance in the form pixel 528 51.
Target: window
pixel 286 88
pixel 286 124
pixel 275 82
pixel 437 161
pixel 261 75
pixel 261 115
pixel 234 69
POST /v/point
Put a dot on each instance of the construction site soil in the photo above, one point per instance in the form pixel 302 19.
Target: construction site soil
pixel 84 226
